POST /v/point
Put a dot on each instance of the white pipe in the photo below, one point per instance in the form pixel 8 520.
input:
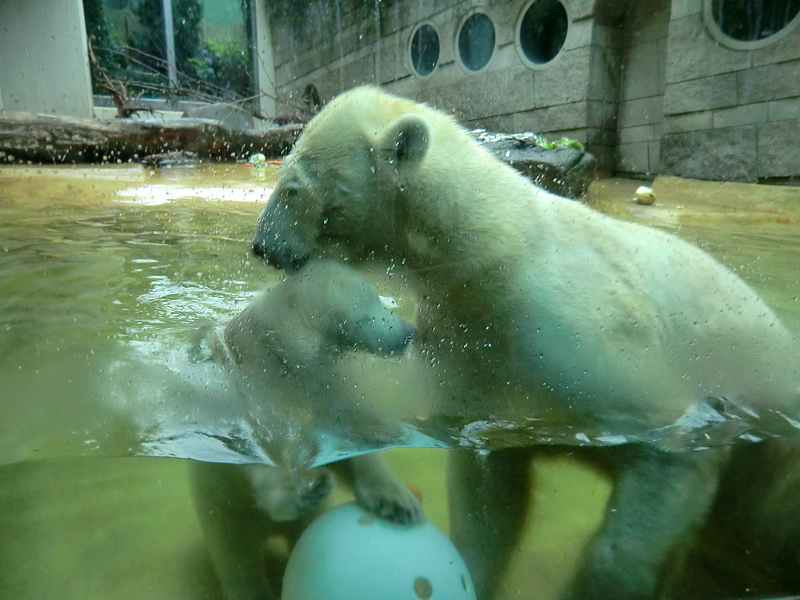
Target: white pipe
pixel 169 37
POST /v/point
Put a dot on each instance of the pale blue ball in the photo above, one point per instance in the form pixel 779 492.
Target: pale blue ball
pixel 349 554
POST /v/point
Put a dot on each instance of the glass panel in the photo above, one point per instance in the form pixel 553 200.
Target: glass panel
pixel 543 30
pixel 425 50
pixel 752 20
pixel 476 42
pixel 198 50
pixel 443 302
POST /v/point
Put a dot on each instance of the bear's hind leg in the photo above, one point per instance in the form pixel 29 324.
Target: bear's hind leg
pixel 488 497
pixel 659 501
pixel 233 530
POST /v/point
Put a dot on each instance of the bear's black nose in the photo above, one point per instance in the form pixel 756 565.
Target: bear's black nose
pixel 279 256
pixel 258 249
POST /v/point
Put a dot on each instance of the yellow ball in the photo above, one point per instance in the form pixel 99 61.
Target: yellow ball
pixel 645 195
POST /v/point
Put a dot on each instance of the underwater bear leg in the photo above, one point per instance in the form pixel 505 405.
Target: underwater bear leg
pixel 488 497
pixel 659 501
pixel 235 530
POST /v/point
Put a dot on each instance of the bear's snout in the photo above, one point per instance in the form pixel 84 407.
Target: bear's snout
pixel 279 255
pixel 395 339
pixel 278 239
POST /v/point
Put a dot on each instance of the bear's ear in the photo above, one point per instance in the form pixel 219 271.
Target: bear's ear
pixel 407 139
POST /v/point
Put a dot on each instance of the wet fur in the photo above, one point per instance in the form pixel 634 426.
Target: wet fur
pixel 290 343
pixel 532 305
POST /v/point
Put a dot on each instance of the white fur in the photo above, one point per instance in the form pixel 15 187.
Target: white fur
pixel 286 353
pixel 534 307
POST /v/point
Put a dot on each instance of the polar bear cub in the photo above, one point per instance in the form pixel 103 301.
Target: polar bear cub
pixel 291 344
pixel 539 311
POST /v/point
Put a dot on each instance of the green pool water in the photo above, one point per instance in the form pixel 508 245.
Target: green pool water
pixel 92 259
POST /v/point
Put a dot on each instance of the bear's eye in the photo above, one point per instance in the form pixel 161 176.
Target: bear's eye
pixel 291 189
pixel 332 218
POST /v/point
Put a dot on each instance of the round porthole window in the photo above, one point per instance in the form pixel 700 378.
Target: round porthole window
pixel 475 42
pixel 750 24
pixel 424 50
pixel 541 31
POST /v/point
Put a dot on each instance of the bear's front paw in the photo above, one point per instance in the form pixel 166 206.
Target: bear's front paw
pixel 314 489
pixel 391 501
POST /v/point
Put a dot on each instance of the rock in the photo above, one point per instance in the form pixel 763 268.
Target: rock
pixel 177 158
pixel 566 169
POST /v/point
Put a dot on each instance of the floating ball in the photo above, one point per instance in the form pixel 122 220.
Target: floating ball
pixel 350 554
pixel 257 160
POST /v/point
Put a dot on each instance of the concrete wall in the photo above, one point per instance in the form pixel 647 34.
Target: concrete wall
pixel 338 45
pixel 729 114
pixel 641 91
pixel 643 84
pixel 44 66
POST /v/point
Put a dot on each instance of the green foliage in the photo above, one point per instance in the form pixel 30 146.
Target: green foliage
pixel 138 57
pixel 96 25
pixel 570 143
pixel 187 16
pixel 150 40
pixel 98 32
pixel 222 68
pixel 564 142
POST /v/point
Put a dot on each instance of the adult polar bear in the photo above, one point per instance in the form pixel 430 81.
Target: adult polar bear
pixel 537 307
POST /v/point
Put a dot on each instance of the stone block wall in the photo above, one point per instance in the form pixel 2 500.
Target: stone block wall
pixel 339 45
pixel 729 114
pixel 603 97
pixel 643 84
pixel 641 91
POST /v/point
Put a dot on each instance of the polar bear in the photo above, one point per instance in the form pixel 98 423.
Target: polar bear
pixel 289 343
pixel 539 311
pixel 749 544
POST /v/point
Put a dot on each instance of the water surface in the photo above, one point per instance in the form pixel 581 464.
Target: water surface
pixel 103 266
